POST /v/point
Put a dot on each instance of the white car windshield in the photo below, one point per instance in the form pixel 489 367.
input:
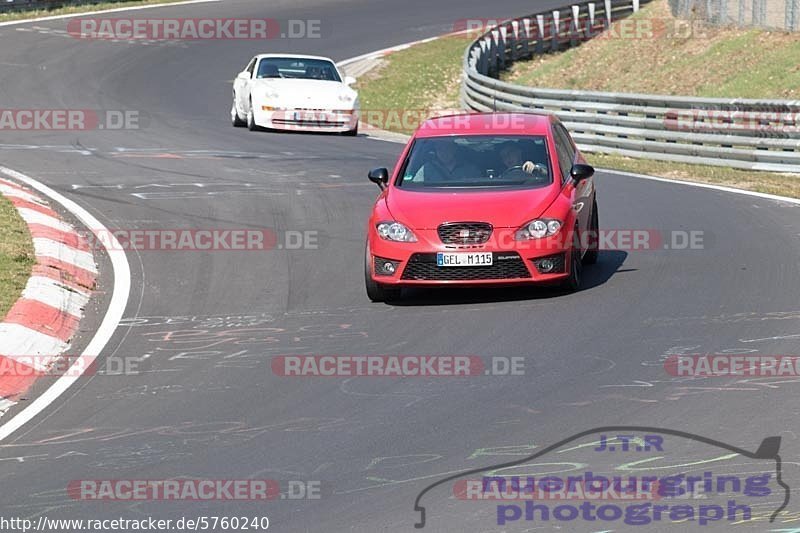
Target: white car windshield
pixel 301 68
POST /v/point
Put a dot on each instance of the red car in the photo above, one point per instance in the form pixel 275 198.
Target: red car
pixel 483 199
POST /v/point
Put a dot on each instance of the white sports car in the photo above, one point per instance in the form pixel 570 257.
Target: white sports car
pixel 292 92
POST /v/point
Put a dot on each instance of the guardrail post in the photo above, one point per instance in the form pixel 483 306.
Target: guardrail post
pixel 513 40
pixel 574 31
pixel 555 30
pixel 608 12
pixel 540 40
pixel 485 50
pixel 591 14
pixel 486 46
pixel 491 68
pixel 525 50
pixel 501 48
pixel 474 57
pixel 635 6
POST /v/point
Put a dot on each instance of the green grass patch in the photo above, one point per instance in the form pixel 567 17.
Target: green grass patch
pixel 411 83
pixel 25 14
pixel 16 255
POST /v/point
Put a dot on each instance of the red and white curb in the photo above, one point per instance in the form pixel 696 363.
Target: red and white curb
pixel 40 325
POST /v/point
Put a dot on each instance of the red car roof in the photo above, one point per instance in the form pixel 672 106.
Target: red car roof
pixel 485 123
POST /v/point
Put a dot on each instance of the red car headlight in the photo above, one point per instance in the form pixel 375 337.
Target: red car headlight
pixel 538 229
pixel 395 231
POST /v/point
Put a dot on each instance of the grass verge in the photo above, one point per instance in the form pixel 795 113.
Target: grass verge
pixel 413 83
pixel 27 14
pixel 424 79
pixel 16 255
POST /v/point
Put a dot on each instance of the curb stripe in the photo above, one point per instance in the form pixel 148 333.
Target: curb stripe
pixel 33 206
pixel 16 379
pixel 46 316
pixel 68 273
pixel 63 253
pixel 71 239
pixel 54 294
pixel 21 340
pixel 16 192
pixel 35 217
pixel 120 293
pixel 43 318
pixel 62 277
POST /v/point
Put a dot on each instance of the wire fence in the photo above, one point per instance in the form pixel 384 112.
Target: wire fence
pixel 768 14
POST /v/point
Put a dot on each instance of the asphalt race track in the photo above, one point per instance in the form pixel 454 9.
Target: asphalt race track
pixel 209 405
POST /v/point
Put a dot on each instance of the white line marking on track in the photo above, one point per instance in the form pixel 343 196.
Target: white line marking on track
pixel 114 313
pixel 722 188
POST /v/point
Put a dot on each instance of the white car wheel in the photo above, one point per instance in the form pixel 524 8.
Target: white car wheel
pixel 235 119
pixel 251 119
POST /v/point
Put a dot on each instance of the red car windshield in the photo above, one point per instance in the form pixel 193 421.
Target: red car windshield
pixel 476 161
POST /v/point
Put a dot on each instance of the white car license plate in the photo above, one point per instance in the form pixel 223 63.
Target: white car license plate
pixel 463 259
pixel 310 116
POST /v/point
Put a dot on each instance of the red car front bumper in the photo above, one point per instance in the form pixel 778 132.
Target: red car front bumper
pixel 513 262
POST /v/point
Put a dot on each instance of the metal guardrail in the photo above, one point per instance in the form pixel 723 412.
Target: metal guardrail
pixel 739 133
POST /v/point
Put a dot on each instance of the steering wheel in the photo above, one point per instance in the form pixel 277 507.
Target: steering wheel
pixel 509 170
pixel 537 169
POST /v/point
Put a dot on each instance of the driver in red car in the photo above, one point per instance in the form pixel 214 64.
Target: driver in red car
pixel 511 156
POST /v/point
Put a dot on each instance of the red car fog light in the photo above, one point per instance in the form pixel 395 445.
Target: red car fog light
pixel 385 267
pixel 553 264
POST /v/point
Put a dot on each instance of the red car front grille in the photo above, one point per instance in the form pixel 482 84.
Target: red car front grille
pixel 465 232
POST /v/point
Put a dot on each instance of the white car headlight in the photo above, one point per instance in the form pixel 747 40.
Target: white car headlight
pixel 395 231
pixel 537 229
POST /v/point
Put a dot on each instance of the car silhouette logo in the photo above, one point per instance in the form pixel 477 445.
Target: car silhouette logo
pixel 768 450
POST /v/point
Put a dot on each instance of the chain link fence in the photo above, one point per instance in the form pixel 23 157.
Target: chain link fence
pixel 768 14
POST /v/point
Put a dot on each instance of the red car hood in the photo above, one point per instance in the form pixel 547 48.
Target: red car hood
pixel 502 209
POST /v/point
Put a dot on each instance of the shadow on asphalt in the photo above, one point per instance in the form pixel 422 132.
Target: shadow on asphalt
pixel 608 264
